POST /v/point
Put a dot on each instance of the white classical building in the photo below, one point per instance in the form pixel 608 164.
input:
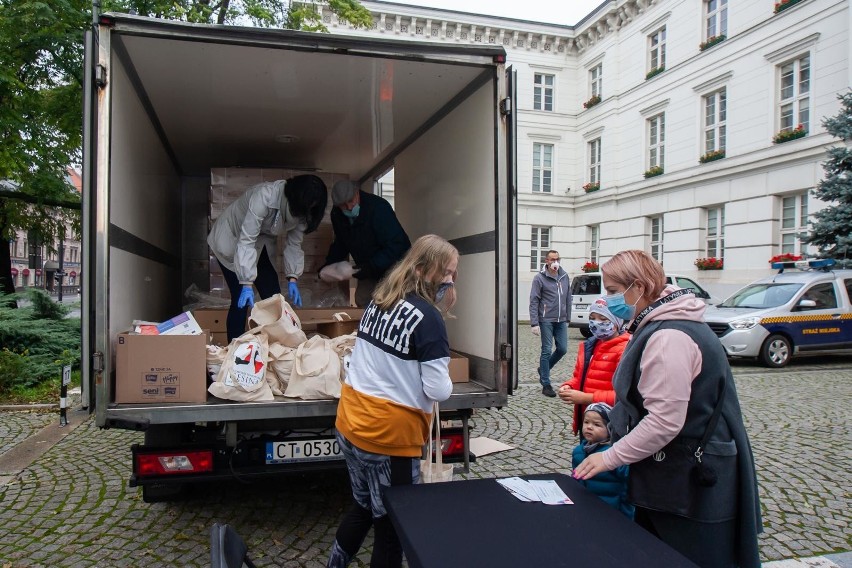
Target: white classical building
pixel 695 91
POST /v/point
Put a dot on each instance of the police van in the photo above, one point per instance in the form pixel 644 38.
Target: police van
pixel 804 308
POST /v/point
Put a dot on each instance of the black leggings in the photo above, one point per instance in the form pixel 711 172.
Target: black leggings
pixel 266 283
pixel 387 551
pixel 709 545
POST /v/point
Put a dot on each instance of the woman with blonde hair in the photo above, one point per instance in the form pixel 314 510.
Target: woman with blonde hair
pixel 677 421
pixel 398 369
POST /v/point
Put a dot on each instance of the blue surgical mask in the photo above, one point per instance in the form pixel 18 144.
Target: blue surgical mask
pixel 442 291
pixel 619 308
pixel 602 329
pixel 352 213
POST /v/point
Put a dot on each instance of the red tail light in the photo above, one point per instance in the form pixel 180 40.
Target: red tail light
pixel 173 462
pixel 452 444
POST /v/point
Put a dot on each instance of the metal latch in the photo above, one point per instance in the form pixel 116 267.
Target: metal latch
pixel 98 362
pixel 100 76
pixel 506 351
pixel 506 106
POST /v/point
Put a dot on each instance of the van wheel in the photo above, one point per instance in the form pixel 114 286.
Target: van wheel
pixel 584 331
pixel 776 351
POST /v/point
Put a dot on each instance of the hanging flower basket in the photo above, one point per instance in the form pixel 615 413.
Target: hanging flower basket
pixel 592 186
pixel 592 101
pixel 590 267
pixel 787 135
pixel 784 4
pixel 653 172
pixel 711 156
pixel 710 263
pixel 711 41
pixel 655 71
pixel 786 257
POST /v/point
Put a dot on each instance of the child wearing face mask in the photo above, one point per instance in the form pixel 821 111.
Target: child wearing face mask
pixel 596 362
pixel 610 486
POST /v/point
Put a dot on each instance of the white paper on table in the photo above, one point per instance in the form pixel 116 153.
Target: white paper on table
pixel 520 488
pixel 549 492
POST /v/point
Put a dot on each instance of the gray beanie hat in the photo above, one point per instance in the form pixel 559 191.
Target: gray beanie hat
pixel 601 408
pixel 599 307
pixel 343 192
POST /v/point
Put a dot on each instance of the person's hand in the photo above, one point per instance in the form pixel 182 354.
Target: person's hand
pixel 246 297
pixel 536 330
pixel 568 394
pixel 293 291
pixel 591 466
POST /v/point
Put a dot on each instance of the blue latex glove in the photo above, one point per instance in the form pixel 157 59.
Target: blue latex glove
pixel 293 291
pixel 246 297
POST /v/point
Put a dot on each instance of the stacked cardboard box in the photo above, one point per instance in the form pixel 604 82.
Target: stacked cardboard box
pixel 160 368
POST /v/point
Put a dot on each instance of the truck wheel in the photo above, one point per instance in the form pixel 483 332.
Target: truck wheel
pixel 584 331
pixel 776 351
pixel 163 493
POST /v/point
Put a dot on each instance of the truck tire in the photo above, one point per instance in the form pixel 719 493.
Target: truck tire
pixel 776 351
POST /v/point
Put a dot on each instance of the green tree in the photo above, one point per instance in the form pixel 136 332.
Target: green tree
pixel 41 86
pixel 832 230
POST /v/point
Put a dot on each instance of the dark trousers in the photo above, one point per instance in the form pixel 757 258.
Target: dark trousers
pixel 709 545
pixel 266 283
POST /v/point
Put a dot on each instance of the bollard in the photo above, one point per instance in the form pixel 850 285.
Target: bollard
pixel 63 395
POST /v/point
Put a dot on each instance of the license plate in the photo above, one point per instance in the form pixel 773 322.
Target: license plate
pixel 316 449
pixel 581 306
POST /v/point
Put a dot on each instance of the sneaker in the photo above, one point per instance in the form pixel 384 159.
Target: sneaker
pixel 547 390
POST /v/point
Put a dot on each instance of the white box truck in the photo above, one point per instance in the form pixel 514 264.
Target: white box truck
pixel 168 101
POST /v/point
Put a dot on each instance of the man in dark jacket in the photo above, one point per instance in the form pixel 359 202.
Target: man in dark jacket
pixel 550 312
pixel 365 227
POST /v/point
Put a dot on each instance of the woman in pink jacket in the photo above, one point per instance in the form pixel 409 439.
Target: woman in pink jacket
pixel 677 422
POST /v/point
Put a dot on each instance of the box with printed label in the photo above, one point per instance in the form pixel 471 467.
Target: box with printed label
pixel 160 368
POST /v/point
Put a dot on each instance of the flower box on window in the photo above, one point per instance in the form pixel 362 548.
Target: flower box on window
pixel 787 135
pixel 784 4
pixel 591 186
pixel 590 267
pixel 653 172
pixel 786 257
pixel 711 156
pixel 711 41
pixel 655 71
pixel 592 101
pixel 710 263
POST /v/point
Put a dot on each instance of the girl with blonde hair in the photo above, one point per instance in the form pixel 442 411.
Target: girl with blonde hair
pixel 398 369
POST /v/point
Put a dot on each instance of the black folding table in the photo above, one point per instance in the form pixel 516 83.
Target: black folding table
pixel 476 523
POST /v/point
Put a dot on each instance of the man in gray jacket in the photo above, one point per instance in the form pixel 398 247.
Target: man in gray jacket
pixel 550 312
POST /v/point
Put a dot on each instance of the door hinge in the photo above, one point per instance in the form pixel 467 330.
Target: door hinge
pixel 100 76
pixel 506 351
pixel 98 362
pixel 506 106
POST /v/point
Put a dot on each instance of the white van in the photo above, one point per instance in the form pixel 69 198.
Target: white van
pixel 586 288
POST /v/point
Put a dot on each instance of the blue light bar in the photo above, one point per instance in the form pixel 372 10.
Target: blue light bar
pixel 804 264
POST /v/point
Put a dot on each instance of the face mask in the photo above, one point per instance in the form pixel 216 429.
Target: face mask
pixel 619 308
pixel 353 212
pixel 554 265
pixel 602 329
pixel 442 291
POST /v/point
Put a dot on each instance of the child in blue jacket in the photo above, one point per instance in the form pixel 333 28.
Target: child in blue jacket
pixel 611 486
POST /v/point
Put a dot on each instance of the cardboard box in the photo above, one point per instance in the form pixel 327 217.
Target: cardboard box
pixel 160 368
pixel 214 319
pixel 337 328
pixel 322 320
pixel 459 369
pixel 219 338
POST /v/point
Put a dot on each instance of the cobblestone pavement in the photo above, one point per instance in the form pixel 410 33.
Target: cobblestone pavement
pixel 72 507
pixel 17 426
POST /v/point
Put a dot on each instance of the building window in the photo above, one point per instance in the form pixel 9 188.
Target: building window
pixel 539 245
pixel 594 242
pixel 794 96
pixel 716 233
pixel 794 223
pixel 657 49
pixel 657 238
pixel 715 117
pixel 595 161
pixel 717 18
pixel 596 80
pixel 656 141
pixel 543 92
pixel 542 168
